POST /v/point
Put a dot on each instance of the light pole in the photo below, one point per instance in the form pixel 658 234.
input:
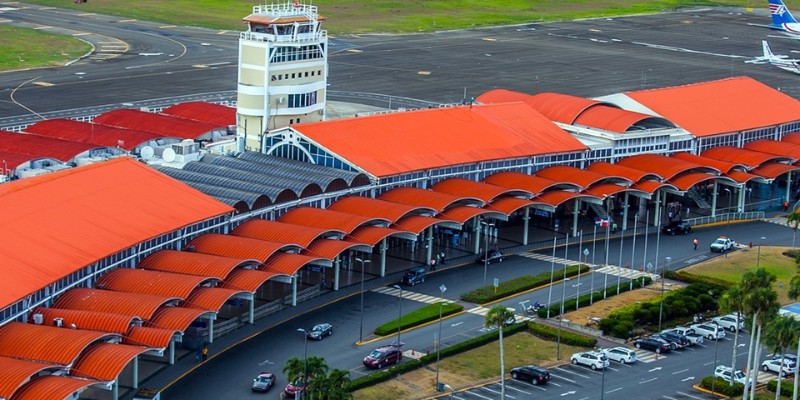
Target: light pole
pixel 716 345
pixel 486 252
pixel 633 250
pixel 561 314
pixel 603 385
pixel 758 257
pixel 361 329
pixel 305 360
pixel 399 317
pixel 552 272
pixel 646 232
pixel 608 236
pixel 728 226
pixel 443 289
pixel 591 293
pixel 594 248
pixel 577 287
pixel 661 305
pixel 619 275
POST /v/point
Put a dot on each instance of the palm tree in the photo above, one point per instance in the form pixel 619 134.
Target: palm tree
pixel 778 335
pixel 497 316
pixel 732 301
pixel 293 368
pixel 750 284
pixel 763 303
pixel 794 294
pixel 793 219
pixel 333 386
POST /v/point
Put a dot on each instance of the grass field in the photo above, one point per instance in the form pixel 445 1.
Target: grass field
pixel 26 48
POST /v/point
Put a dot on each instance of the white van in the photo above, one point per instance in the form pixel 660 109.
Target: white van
pixel 711 331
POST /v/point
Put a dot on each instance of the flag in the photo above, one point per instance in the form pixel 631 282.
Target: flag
pixel 601 221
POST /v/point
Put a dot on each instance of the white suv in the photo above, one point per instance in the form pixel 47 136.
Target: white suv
pixel 622 355
pixel 709 331
pixel 728 322
pixel 789 367
pixel 592 359
pixel 725 373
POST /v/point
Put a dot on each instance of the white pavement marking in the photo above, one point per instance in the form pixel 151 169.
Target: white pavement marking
pixel 687 394
pixel 561 377
pixel 612 391
pixel 497 392
pixel 519 390
pixel 628 273
pixel 424 298
pixel 647 356
pixel 574 373
pixel 678 372
pixel 481 396
pixel 649 380
pixel 543 257
pixel 670 398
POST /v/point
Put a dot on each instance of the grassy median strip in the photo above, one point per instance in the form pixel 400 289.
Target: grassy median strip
pixel 425 314
pixel 27 48
pixel 518 285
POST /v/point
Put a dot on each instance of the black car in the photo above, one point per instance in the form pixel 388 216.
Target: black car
pixel 413 276
pixel 675 340
pixel 493 256
pixel 676 227
pixel 319 331
pixel 532 373
pixel 652 344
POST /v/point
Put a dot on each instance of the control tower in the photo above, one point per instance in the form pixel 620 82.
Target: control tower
pixel 283 70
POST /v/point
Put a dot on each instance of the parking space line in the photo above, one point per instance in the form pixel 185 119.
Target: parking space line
pixel 649 380
pixel 687 394
pixel 678 372
pixel 497 392
pixel 519 390
pixel 573 373
pixel 613 369
pixel 530 385
pixel 612 391
pixel 475 394
pixel 561 377
pixel 670 398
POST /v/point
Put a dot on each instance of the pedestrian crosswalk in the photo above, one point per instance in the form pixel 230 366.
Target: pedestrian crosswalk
pixel 648 356
pixel 409 295
pixel 544 257
pixel 482 311
pixel 628 273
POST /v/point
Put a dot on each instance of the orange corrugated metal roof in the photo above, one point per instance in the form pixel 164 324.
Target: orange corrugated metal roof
pixel 247 279
pixel 16 372
pixel 742 177
pixel 723 166
pixel 723 106
pixel 632 174
pixel 282 232
pixel 750 158
pixel 556 197
pixel 211 298
pixel 42 147
pixel 150 282
pixel 329 248
pixel 96 134
pixel 187 262
pixel 508 205
pixel 555 106
pixel 773 170
pixel 464 135
pixel 793 137
pixel 46 343
pixel 287 263
pixel 140 305
pixel 370 207
pixel 484 191
pixel 581 177
pixel 81 208
pixel 91 320
pixel 650 187
pixel 327 219
pixel 157 338
pixel 159 124
pixel 604 190
pixel 610 118
pixel 418 223
pixel 372 235
pixel 461 214
pixel 426 198
pixel 176 318
pixel 667 167
pixel 105 361
pixel 786 149
pixel 530 183
pixel 236 246
pixel 211 113
pixel 50 387
pixel 685 181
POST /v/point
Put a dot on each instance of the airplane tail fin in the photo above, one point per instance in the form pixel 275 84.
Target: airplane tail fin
pixel 780 14
pixel 767 51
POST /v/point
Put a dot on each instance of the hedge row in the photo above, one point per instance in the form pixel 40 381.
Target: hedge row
pixel 517 285
pixel 722 386
pixel 567 337
pixel 586 299
pixel 418 317
pixel 687 277
pixel 787 387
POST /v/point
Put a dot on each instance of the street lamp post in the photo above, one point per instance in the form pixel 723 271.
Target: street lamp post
pixel 594 248
pixel 605 279
pixel 361 329
pixel 443 289
pixel 486 252
pixel 591 293
pixel 399 317
pixel 633 250
pixel 577 287
pixel 619 275
pixel 561 314
pixel 728 226
pixel 661 305
pixel 305 360
pixel 758 257
pixel 646 232
pixel 716 345
pixel 552 272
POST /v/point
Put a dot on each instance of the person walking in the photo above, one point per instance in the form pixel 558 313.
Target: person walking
pixel 205 353
pixel 433 264
pixel 695 242
pixel 443 258
pixel 785 205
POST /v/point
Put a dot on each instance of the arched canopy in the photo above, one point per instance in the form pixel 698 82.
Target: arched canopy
pixel 232 197
pixel 613 119
pixel 744 177
pixel 328 183
pixel 372 235
pixel 140 305
pixel 12 161
pixel 177 318
pixel 16 372
pixel 793 137
pixel 151 282
pixel 685 181
pixel 237 246
pixel 156 338
pixel 555 106
pixel 91 320
pixel 418 223
pixel 772 170
pixel 428 198
pixel 248 279
pixel 486 192
pixel 275 194
pixel 631 174
pixel 723 166
pixel 650 187
pixel 557 197
pixel 531 183
pixel 211 298
pixel 604 190
pixel 301 188
pixel 786 149
pixel 461 214
pixel 160 124
pixel 330 248
pixel 352 178
pixel 581 177
pixel 44 147
pixel 667 167
pixel 105 361
pixel 51 387
pixel 289 264
pixel 47 343
pixel 369 207
pixel 284 232
pixel 508 205
pixel 750 158
pixel 192 263
pixel 327 219
pixel 95 134
pixel 239 206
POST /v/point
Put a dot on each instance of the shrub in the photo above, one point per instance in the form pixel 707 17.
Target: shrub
pixel 722 386
pixel 418 317
pixel 570 338
pixel 687 277
pixel 385 375
pixel 517 285
pixel 787 387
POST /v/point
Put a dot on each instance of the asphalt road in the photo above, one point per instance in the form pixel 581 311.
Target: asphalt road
pixel 231 374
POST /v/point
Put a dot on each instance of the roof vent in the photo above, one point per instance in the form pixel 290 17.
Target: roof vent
pixel 38 319
pixel 59 322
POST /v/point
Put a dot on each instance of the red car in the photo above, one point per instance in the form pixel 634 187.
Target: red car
pixel 386 355
pixel 293 388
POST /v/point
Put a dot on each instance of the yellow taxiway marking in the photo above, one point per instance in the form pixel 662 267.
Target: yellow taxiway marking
pixel 44 83
pixel 200 66
pixel 47 8
pixel 355 51
pixel 81 34
pixel 42 27
pixel 167 26
pixel 222 32
pixel 490 39
pixel 85 15
pixel 595 30
pixel 424 73
pixel 127 20
pixel 112 50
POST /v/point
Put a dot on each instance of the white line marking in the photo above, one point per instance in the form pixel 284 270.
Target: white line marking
pixel 687 394
pixel 649 380
pixel 678 372
pixel 612 391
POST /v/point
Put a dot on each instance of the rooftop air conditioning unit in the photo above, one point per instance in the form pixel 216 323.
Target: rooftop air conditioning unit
pixel 38 319
pixel 59 322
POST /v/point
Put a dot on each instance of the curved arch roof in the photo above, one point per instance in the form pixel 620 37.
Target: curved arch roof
pixel 46 343
pixel 50 387
pixel 427 198
pixel 156 338
pixel 464 187
pixel 650 187
pixel 248 279
pixel 16 372
pixel 284 232
pixel 140 305
pixel 723 166
pixel 557 197
pixel 631 174
pixel 41 146
pixel 328 219
pixel 604 190
pixel 252 201
pixel 773 170
pixel 793 137
pixel 786 149
pixel 370 207
pixel 531 183
pixel 13 160
pixel 461 214
pixel 239 206
pixel 159 124
pixel 104 361
pixel 329 248
pixel 616 120
pixel 508 205
pixel 275 194
pixel 685 181
pixel 91 320
pixel 328 183
pixel 418 223
pixel 89 133
pixel 581 177
pixel 301 188
pixel 353 178
pixel 502 96
pixel 211 298
pixel 744 177
pixel 667 167
pixel 237 246
pixel 287 263
pixel 177 318
pixel 372 235
pixel 150 282
pixel 186 262
pixel 556 106
pixel 211 113
pixel 750 158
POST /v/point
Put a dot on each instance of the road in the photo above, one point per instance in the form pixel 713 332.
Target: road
pixel 230 374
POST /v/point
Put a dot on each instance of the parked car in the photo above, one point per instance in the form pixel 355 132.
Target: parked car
pixel 728 322
pixel 319 331
pixel 294 388
pixel 695 338
pixel 676 227
pixel 789 367
pixel 532 373
pixel 413 276
pixel 493 256
pixel 263 382
pixel 725 373
pixel 722 244
pixel 652 344
pixel 789 356
pixel 622 355
pixel 709 331
pixel 682 330
pixel 676 341
pixel 592 359
pixel 383 356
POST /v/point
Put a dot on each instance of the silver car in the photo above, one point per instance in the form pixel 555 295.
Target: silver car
pixel 622 355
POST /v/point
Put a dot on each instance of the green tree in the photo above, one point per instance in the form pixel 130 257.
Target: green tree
pixel 293 368
pixel 763 304
pixel 732 301
pixel 793 219
pixel 778 335
pixel 296 369
pixel 331 386
pixel 751 280
pixel 497 317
